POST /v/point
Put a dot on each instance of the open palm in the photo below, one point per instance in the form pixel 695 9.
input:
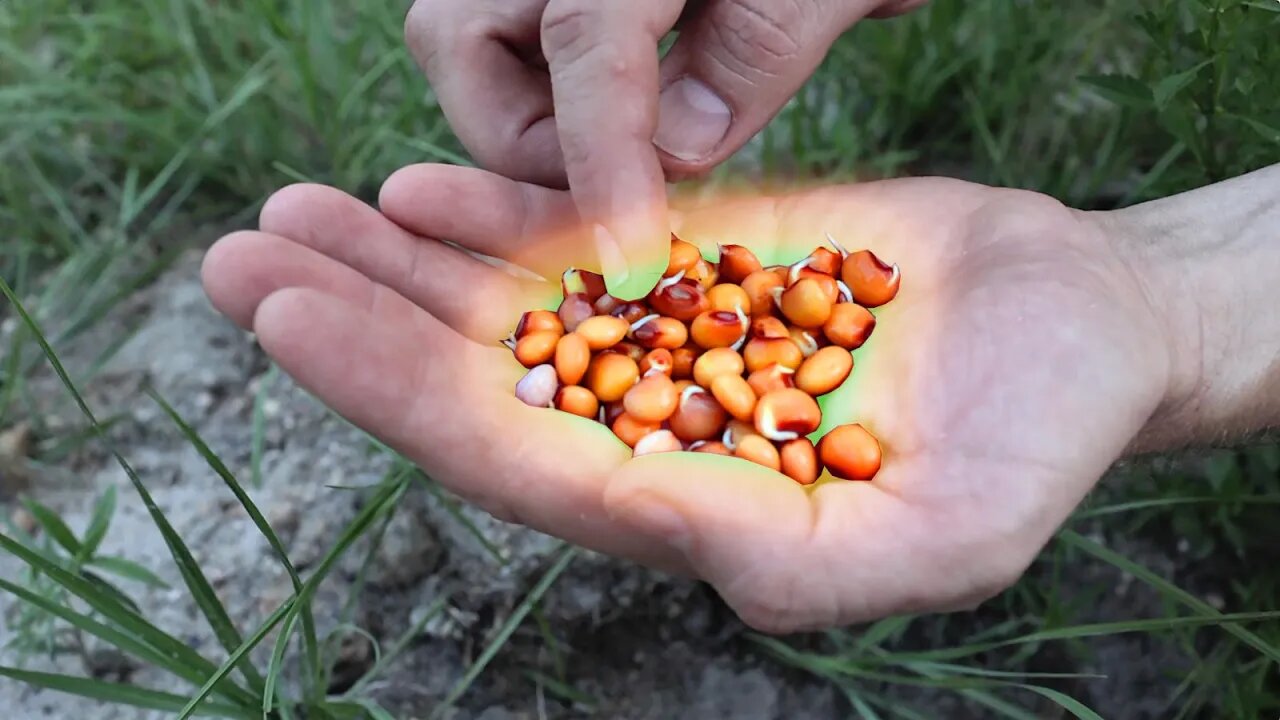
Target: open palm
pixel 1012 369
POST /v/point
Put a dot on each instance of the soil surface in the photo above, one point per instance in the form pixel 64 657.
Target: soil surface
pixel 636 644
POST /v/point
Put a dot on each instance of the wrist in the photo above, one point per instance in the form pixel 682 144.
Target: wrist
pixel 1207 263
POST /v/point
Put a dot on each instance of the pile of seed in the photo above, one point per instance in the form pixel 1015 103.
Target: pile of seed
pixel 721 358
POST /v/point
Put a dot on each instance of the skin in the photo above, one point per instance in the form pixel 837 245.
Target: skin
pixel 525 84
pixel 1030 347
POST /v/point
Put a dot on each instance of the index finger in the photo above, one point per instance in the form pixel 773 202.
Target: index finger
pixel 604 81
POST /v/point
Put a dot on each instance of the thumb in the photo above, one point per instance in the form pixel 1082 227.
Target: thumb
pixel 735 64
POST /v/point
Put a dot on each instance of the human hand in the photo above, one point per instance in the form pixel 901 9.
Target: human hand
pixel 1019 359
pixel 570 93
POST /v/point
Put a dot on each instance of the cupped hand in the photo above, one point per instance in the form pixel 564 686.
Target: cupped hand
pixel 1019 359
pixel 571 93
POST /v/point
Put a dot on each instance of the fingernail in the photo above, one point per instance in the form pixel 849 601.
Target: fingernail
pixel 692 120
pixel 658 520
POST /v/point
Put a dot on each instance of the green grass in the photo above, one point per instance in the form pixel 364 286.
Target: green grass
pixel 129 130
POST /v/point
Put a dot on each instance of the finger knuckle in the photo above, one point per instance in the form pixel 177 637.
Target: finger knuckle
pixel 570 30
pixel 759 35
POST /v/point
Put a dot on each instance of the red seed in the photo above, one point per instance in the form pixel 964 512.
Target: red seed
pixel 682 361
pixel 850 453
pixel 536 320
pixel 763 352
pixel 717 329
pixel 630 430
pixel 769 327
pixel 771 378
pixel 825 370
pixel 630 311
pixel 698 416
pixel 711 448
pixel 661 332
pixel 575 308
pixel 652 400
pixel 849 325
pixel 683 256
pixel 572 357
pixel 760 286
pixel 682 300
pixel 787 414
pixel 659 360
pixel 825 261
pixel 575 281
pixel 800 461
pixel 759 451
pixel 578 400
pixel 537 348
pixel 871 282
pixel 737 262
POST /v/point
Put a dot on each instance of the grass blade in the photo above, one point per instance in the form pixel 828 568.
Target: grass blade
pixel 881 631
pixel 376 711
pixel 119 693
pixel 1149 503
pixel 220 468
pixel 860 706
pixel 1068 703
pixel 103 511
pixel 259 426
pixel 127 569
pixel 513 621
pixel 123 641
pixel 1168 589
pixel 276 665
pixel 1086 631
pixel 251 642
pixel 197 583
pixel 53 525
pixel 382 502
pixel 127 619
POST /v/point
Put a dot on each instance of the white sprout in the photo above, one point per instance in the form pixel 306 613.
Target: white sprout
pixel 728 439
pixel 689 392
pixel 768 426
pixel 668 282
pixel 641 323
pixel 776 292
pixel 657 369
pixel 746 324
pixel 845 292
pixel 810 346
pixel 794 275
pixel 839 248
